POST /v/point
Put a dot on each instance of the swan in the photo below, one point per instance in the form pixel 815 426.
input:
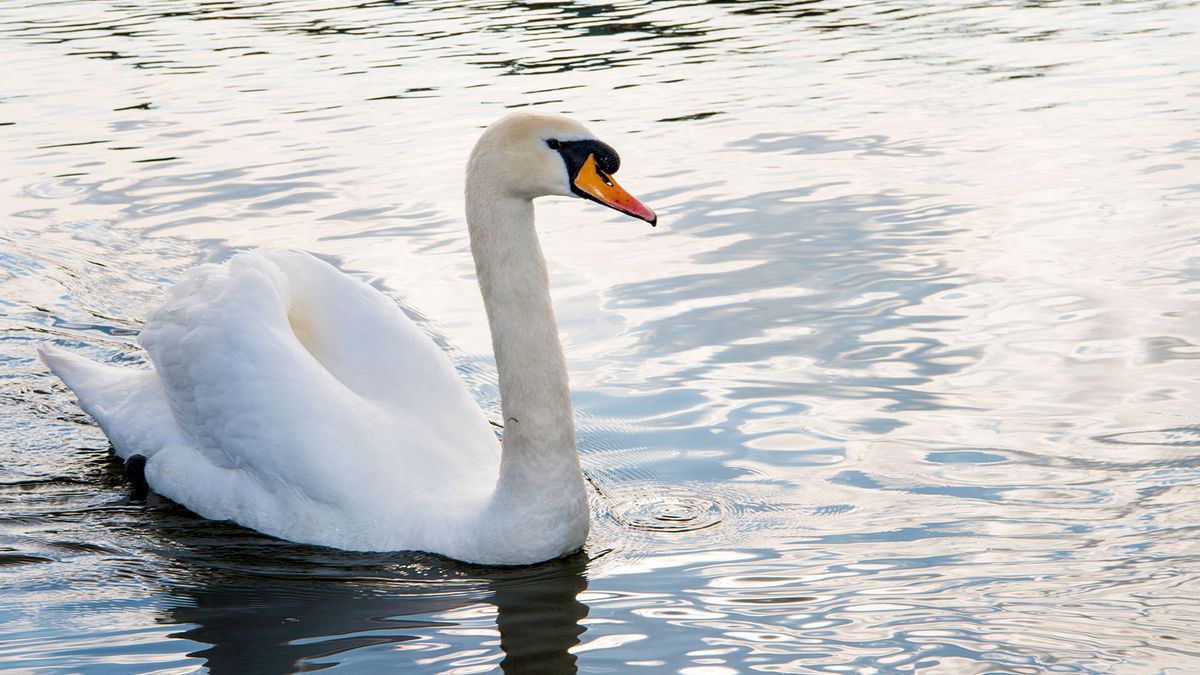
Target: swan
pixel 294 400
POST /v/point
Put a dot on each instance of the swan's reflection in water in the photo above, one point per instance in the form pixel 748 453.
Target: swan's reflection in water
pixel 539 616
pixel 272 607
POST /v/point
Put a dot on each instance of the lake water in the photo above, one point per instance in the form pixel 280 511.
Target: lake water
pixel 906 380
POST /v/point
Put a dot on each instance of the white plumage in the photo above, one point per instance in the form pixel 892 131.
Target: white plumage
pixel 297 401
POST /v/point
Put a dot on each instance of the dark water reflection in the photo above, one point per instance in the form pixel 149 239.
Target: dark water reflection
pixel 308 615
pixel 905 381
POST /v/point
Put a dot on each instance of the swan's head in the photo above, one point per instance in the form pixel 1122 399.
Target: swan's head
pixel 532 155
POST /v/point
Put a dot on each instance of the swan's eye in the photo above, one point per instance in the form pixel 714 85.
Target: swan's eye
pixel 554 144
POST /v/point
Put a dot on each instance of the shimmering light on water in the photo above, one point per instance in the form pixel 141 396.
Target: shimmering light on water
pixel 905 380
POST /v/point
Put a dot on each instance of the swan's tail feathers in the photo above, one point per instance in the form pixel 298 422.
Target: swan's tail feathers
pixel 92 382
pixel 124 401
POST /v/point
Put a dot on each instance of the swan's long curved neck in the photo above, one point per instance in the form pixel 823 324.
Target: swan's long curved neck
pixel 539 464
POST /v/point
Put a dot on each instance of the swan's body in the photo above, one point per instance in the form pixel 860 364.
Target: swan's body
pixel 295 400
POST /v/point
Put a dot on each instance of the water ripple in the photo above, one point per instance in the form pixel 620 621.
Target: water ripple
pixel 904 380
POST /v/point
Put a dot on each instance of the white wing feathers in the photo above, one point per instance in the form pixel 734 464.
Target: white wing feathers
pixel 293 399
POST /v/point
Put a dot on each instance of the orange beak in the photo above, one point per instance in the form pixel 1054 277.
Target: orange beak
pixel 598 186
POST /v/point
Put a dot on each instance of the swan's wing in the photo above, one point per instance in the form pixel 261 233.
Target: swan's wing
pixel 280 369
pixel 362 338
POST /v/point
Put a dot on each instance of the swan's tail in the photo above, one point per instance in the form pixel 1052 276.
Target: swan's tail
pixel 120 399
pixel 91 381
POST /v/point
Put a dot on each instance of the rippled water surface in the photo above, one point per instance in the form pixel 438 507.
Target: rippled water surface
pixel 906 380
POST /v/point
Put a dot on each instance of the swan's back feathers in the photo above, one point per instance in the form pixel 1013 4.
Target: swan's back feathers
pixel 298 401
pixel 272 362
pixel 236 379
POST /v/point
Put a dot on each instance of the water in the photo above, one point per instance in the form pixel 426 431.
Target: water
pixel 905 380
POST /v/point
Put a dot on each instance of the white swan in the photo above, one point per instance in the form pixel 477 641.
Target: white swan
pixel 292 399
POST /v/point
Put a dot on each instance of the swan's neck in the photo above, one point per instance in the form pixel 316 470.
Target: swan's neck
pixel 539 469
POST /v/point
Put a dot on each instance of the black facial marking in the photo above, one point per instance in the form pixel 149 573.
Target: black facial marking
pixel 575 153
